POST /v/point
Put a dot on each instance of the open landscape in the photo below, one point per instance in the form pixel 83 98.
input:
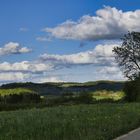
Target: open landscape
pixel 79 111
pixel 69 70
pixel 28 95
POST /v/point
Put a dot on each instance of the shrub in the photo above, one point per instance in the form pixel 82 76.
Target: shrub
pixel 84 98
pixel 132 90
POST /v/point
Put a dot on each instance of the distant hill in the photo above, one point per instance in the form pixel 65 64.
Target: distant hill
pixel 70 87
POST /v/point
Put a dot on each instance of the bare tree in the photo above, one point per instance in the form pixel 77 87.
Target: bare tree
pixel 127 55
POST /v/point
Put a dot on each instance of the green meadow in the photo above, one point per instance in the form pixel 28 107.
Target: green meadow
pixel 78 122
pixel 17 91
pixel 102 95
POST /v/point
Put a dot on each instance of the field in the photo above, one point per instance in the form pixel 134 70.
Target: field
pixel 102 95
pixel 17 91
pixel 78 122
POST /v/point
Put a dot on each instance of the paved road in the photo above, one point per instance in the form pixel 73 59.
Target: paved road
pixel 133 135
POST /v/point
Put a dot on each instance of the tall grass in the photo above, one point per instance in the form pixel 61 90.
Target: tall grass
pixel 81 122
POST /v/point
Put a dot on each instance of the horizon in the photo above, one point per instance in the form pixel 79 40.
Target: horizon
pixel 72 41
pixel 61 82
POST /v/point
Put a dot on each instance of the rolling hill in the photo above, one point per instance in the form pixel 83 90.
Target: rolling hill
pixel 64 88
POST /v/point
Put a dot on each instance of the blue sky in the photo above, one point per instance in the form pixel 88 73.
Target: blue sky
pixel 57 35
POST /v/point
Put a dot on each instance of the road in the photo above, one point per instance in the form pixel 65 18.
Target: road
pixel 133 135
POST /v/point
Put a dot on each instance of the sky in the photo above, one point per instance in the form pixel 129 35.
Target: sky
pixel 65 40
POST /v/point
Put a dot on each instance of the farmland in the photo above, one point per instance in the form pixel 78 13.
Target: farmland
pixel 17 91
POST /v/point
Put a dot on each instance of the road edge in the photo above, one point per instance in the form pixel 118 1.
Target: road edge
pixel 127 134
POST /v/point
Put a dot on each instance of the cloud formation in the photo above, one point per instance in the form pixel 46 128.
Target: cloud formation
pixel 25 66
pixel 23 71
pixel 48 79
pixel 6 77
pixel 13 76
pixel 109 23
pixel 100 55
pixel 100 58
pixel 13 48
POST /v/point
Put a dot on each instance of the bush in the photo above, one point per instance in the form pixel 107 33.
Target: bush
pixel 132 90
pixel 20 98
pixel 84 98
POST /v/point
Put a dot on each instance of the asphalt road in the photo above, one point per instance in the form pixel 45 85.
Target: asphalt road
pixel 133 135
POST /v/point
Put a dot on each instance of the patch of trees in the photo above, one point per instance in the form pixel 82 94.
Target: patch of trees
pixel 21 98
pixel 70 98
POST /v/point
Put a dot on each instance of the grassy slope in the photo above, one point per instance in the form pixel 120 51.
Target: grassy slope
pixel 18 91
pixel 83 122
pixel 99 95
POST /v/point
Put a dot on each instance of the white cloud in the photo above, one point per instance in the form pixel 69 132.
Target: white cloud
pixel 23 71
pixel 100 55
pixel 109 73
pixel 25 66
pixel 13 76
pixel 101 58
pixel 13 48
pixel 109 23
pixel 47 79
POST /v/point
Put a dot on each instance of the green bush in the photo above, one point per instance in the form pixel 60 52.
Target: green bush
pixel 20 98
pixel 132 90
pixel 78 98
pixel 84 98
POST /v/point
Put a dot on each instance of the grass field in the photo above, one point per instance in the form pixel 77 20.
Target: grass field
pixel 100 95
pixel 18 91
pixel 79 122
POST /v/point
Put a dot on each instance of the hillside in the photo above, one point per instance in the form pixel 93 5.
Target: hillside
pixel 62 88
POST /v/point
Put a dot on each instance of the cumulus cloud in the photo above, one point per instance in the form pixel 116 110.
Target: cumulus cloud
pixel 25 66
pixel 109 23
pixel 13 76
pixel 109 73
pixel 13 48
pixel 6 77
pixel 99 60
pixel 100 55
pixel 23 71
pixel 47 79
